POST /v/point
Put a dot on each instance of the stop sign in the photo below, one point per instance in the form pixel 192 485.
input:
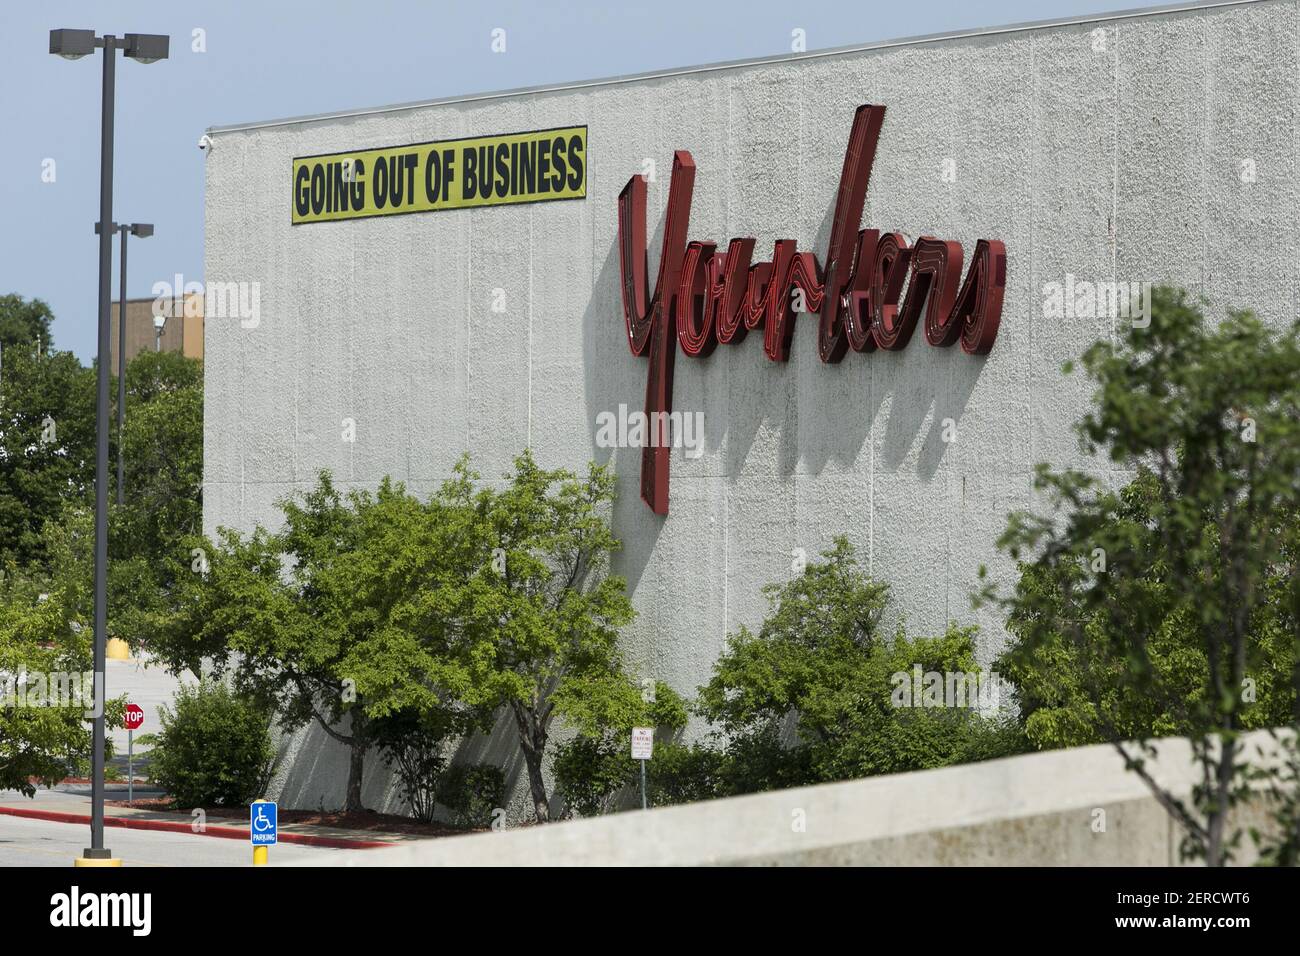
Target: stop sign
pixel 134 716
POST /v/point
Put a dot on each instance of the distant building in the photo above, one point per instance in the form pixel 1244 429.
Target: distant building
pixel 183 333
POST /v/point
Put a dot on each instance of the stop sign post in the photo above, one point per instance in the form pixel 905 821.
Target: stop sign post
pixel 133 718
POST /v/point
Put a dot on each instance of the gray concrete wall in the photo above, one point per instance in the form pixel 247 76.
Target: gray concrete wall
pixel 1076 807
pixel 1108 149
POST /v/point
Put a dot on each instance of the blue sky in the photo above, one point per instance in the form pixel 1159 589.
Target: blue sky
pixel 273 58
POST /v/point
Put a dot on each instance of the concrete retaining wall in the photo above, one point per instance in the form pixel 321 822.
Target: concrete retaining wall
pixel 1076 807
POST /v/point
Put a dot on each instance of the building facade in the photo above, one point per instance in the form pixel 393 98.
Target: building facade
pixel 182 329
pixel 1103 153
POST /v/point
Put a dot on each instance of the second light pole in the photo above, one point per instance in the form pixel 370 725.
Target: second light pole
pixel 141 230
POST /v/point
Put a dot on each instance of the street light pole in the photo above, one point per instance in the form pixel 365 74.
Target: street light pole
pixel 121 366
pixel 97 850
pixel 144 230
pixel 147 48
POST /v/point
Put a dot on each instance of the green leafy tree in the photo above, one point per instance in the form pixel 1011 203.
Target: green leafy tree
pixel 24 323
pixel 472 792
pixel 540 615
pixel 1074 694
pixel 811 696
pixel 342 613
pixel 44 737
pixel 414 743
pixel 1185 582
pixel 154 534
pixel 163 446
pixel 685 773
pixel 1279 844
pixel 47 435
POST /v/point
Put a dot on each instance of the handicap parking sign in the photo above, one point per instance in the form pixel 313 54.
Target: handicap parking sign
pixel 261 823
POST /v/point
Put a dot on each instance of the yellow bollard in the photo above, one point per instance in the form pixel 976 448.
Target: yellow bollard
pixel 117 649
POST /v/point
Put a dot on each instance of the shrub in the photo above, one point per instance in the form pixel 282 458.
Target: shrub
pixel 214 748
pixel 413 745
pixel 594 769
pixel 809 698
pixel 472 792
pixel 596 775
pixel 590 772
pixel 679 773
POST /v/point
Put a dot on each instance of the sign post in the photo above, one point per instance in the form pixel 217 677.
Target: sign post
pixel 643 745
pixel 133 718
pixel 262 816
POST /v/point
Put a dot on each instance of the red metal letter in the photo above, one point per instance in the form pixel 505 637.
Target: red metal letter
pixel 734 287
pixel 638 306
pixel 936 270
pixel 980 309
pixel 887 274
pixel 694 306
pixel 652 322
pixel 976 312
pixel 857 305
pixel 840 252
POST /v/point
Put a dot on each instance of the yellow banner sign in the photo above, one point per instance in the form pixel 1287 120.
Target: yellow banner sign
pixel 536 166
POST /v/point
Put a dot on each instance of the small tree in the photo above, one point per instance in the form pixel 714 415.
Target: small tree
pixel 414 743
pixel 44 737
pixel 47 446
pixel 315 619
pixel 539 618
pixel 812 696
pixel 24 322
pixel 151 534
pixel 800 667
pixel 472 792
pixel 1210 420
pixel 1074 694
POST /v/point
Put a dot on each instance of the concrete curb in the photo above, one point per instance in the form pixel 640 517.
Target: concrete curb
pixel 175 826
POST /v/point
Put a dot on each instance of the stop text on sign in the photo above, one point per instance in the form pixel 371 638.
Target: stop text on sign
pixel 872 292
pixel 537 166
pixel 133 717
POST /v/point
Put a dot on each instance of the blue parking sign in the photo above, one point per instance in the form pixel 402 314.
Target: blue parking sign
pixel 261 823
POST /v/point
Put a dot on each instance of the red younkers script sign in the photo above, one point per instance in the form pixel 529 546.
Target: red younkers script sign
pixel 703 297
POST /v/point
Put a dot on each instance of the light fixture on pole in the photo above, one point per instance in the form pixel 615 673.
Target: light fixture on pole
pixel 159 321
pixel 146 48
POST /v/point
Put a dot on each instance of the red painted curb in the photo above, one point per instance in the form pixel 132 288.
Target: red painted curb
pixel 170 826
